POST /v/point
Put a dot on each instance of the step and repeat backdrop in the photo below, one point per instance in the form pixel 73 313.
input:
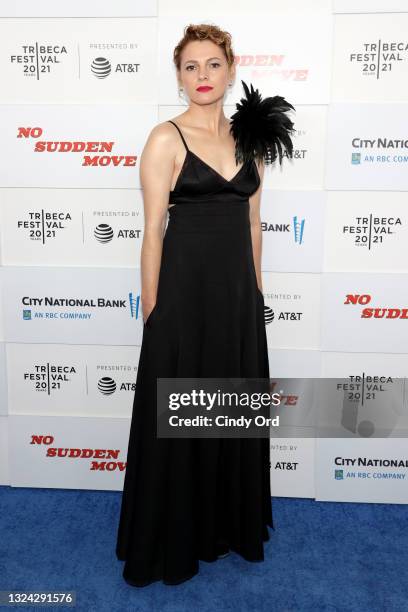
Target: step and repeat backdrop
pixel 83 85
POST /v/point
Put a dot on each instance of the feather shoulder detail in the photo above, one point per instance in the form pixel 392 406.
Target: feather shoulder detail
pixel 261 128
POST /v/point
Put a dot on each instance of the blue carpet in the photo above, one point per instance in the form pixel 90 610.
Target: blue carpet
pixel 322 556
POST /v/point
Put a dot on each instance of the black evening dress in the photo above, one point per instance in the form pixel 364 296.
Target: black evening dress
pixel 191 499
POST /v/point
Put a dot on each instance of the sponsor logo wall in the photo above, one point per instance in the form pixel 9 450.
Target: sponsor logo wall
pixel 84 85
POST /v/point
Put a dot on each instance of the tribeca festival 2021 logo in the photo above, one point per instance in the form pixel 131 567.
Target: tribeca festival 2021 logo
pixel 38 60
pixel 379 57
pixel 51 378
pixel 41 59
pixel 44 225
pixel 366 391
pixel 372 230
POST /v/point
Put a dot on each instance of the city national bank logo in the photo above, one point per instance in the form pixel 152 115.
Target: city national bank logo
pixel 94 459
pixel 296 228
pixel 380 469
pixel 54 308
pixel 135 305
pixel 398 156
pixel 374 312
pixel 380 57
pixel 372 230
pixel 93 154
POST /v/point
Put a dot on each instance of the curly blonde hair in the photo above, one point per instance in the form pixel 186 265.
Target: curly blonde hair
pixel 203 31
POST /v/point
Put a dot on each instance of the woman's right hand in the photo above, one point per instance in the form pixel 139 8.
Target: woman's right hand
pixel 147 308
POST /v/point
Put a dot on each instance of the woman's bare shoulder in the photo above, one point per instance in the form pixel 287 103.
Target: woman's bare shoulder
pixel 161 149
pixel 164 133
pixel 163 145
pixel 161 135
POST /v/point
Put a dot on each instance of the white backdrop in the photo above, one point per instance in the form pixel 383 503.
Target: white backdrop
pixel 83 85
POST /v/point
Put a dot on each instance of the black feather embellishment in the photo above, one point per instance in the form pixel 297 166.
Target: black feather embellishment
pixel 260 128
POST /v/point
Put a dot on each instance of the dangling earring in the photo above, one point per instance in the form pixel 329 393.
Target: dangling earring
pixel 182 96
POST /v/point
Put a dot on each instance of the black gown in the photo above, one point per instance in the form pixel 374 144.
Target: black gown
pixel 191 499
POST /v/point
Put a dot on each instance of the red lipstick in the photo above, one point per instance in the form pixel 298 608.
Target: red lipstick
pixel 204 88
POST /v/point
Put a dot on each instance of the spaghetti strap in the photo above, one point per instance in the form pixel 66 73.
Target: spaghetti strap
pixel 182 137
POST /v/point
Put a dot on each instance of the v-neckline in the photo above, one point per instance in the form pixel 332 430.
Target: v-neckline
pixel 227 182
pixel 189 151
pixel 216 171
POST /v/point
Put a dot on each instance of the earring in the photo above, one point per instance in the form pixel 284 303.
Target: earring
pixel 181 94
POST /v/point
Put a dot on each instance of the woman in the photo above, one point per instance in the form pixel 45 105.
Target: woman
pixel 191 499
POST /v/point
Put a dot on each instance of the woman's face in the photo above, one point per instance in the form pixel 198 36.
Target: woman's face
pixel 203 64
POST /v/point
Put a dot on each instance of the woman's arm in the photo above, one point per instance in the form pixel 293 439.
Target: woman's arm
pixel 156 171
pixel 256 230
